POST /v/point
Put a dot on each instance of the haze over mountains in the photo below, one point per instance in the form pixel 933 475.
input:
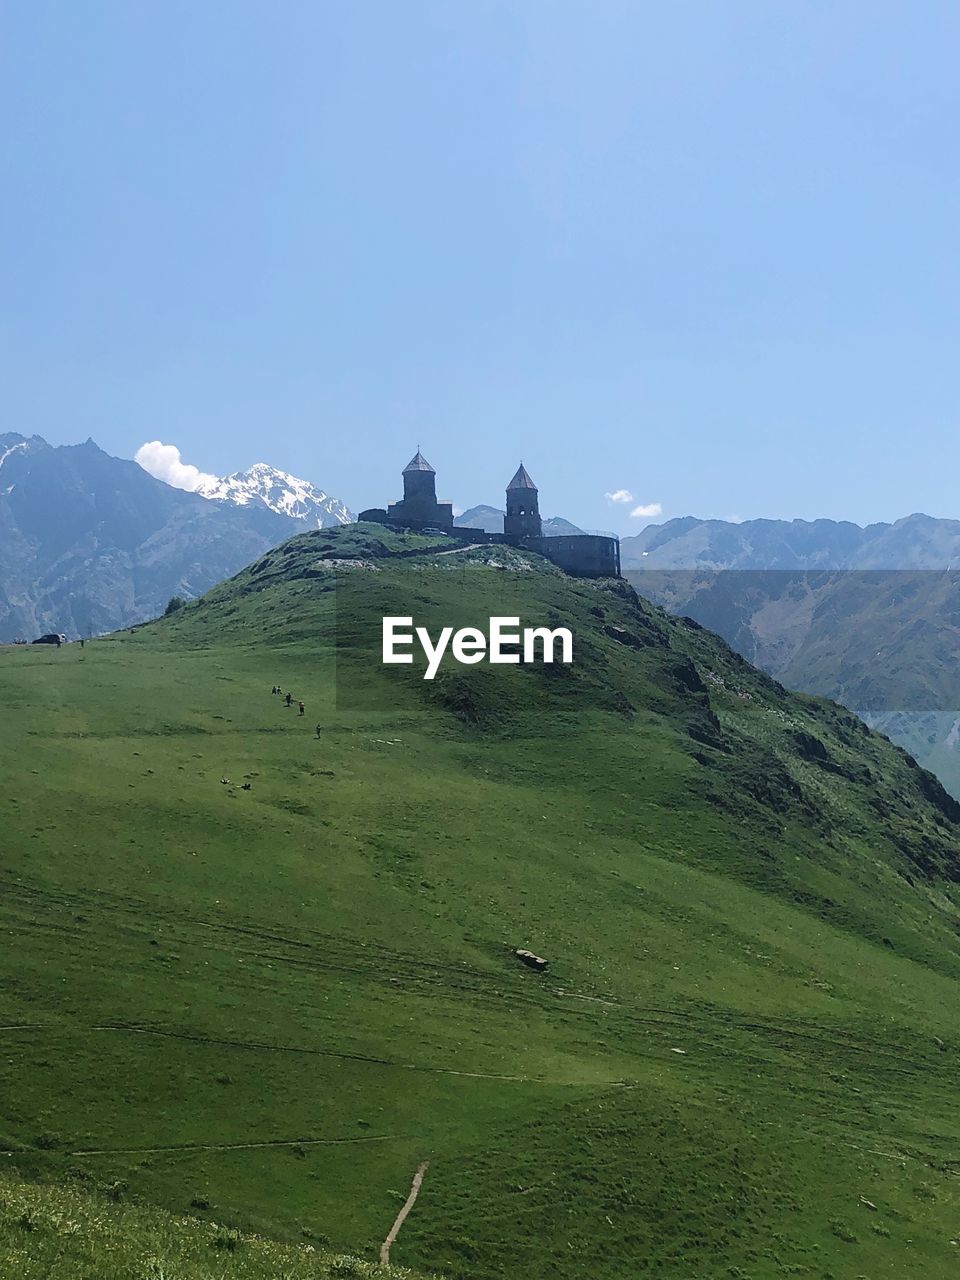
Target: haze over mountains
pixel 89 542
pixel 869 617
pixel 914 542
pixel 490 519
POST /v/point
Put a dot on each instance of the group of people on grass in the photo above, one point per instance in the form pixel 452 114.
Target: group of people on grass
pixel 277 692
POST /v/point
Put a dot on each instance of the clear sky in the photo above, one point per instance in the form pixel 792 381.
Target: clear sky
pixel 705 253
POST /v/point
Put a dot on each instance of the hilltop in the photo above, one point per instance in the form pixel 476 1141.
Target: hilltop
pixel 278 1002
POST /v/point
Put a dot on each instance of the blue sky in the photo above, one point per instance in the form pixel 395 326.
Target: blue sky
pixel 705 253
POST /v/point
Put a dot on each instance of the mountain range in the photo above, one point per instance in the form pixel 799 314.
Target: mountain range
pixel 490 519
pixel 867 616
pixel 90 542
pixel 914 542
pixel 278 491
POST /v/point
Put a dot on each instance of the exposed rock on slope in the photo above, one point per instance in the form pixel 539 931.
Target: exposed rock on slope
pixel 89 542
pixel 278 491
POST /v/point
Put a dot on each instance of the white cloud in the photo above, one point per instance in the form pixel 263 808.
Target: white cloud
pixel 648 512
pixel 164 462
pixel 619 495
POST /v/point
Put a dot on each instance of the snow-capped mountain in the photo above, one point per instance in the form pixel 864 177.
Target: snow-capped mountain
pixel 16 447
pixel 89 543
pixel 280 492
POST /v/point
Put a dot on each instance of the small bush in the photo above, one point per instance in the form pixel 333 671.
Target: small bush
pixel 843 1232
pixel 227 1239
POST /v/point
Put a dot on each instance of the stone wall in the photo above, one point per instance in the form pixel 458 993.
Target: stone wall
pixel 586 555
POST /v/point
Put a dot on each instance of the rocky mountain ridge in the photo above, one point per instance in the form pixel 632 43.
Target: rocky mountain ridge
pixel 914 542
pixel 280 492
pixel 90 542
pixel 867 616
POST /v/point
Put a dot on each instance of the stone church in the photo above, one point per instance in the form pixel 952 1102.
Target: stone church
pixel 586 555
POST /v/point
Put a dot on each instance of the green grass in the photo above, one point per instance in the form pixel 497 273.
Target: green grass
pixel 279 1001
pixel 69 1232
pixel 885 642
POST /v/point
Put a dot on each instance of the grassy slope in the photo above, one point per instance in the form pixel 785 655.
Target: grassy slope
pixel 886 643
pixel 70 1233
pixel 281 1000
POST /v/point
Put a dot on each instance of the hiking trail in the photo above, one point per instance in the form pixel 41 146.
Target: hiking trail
pixel 410 1201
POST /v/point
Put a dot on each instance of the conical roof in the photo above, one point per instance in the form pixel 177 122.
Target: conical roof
pixel 418 463
pixel 521 480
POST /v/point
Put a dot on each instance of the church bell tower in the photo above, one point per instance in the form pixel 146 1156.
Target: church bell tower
pixel 419 484
pixel 523 507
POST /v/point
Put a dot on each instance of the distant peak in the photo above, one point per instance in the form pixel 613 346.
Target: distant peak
pixel 263 485
pixel 12 444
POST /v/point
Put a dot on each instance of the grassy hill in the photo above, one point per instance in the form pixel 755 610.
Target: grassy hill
pixel 278 1002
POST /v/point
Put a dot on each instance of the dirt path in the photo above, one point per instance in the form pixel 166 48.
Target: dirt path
pixel 411 1200
pixel 184 1148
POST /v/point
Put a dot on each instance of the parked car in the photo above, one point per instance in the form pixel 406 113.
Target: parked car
pixel 51 638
